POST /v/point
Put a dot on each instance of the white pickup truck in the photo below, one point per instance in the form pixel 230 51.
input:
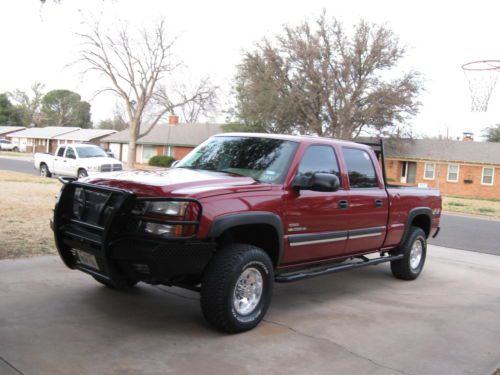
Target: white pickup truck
pixel 76 160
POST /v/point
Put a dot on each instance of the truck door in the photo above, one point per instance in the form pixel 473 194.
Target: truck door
pixel 70 163
pixel 315 224
pixel 58 165
pixel 368 202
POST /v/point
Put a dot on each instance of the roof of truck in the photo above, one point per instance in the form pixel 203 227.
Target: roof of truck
pixel 295 138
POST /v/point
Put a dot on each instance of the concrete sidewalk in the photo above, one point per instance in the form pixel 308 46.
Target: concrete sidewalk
pixel 56 321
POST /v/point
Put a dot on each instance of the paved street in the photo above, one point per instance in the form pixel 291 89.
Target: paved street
pixel 469 233
pixel 17 165
pixel 55 321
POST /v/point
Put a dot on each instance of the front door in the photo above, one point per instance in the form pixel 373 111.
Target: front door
pixel 368 203
pixel 408 172
pixel 315 224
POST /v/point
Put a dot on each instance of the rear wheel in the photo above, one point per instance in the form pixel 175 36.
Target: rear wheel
pixel 44 171
pixel 414 250
pixel 236 288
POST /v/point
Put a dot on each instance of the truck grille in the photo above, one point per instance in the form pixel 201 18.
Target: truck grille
pixel 93 206
pixel 111 167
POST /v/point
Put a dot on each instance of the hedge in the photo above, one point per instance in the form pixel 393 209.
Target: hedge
pixel 161 161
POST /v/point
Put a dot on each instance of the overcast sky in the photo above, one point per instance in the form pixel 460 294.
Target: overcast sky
pixel 37 44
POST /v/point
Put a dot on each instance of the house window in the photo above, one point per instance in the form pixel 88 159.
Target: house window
pixel 148 152
pixel 453 171
pixel 488 175
pixel 429 171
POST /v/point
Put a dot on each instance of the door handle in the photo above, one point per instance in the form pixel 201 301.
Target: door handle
pixel 343 204
pixel 378 203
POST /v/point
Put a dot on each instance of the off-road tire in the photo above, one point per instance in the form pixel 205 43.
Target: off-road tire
pixel 402 268
pixel 44 170
pixel 219 282
pixel 122 285
pixel 82 173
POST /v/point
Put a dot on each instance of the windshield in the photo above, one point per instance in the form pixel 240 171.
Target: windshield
pixel 262 159
pixel 90 152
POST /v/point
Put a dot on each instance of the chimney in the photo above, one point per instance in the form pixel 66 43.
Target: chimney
pixel 173 120
pixel 468 137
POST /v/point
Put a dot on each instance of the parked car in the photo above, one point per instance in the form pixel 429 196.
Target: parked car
pixel 6 145
pixel 240 212
pixel 78 160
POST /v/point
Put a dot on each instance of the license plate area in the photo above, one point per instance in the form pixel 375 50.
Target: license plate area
pixel 86 259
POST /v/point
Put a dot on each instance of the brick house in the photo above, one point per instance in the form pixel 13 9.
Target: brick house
pixel 463 168
pixel 39 139
pixel 173 139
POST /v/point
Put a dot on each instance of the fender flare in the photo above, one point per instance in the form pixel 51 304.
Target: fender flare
pixel 223 223
pixel 414 212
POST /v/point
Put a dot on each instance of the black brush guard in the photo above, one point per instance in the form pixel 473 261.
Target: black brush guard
pixel 121 254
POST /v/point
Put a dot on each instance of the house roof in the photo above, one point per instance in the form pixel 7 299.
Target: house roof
pixel 445 150
pixel 85 135
pixel 44 133
pixel 10 129
pixel 164 134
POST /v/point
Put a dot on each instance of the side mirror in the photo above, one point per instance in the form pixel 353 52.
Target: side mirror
pixel 317 182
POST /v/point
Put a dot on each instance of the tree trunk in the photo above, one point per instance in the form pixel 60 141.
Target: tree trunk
pixel 132 144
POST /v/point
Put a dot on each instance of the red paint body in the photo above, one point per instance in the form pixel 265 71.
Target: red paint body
pixel 222 194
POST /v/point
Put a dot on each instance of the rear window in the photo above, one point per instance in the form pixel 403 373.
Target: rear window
pixel 359 168
pixel 60 152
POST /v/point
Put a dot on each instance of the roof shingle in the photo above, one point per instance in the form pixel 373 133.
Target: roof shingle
pixel 445 150
pixel 164 134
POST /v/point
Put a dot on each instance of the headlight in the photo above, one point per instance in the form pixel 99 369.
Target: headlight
pixel 93 168
pixel 167 208
pixel 152 213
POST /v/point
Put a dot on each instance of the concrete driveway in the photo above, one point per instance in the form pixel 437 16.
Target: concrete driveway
pixel 56 321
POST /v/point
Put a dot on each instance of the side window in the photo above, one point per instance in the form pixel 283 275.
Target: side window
pixel 360 168
pixel 318 159
pixel 60 152
pixel 70 153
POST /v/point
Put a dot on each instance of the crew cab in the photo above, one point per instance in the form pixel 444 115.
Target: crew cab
pixel 240 212
pixel 76 160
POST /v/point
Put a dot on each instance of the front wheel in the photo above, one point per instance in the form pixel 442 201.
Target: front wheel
pixel 414 250
pixel 82 173
pixel 237 287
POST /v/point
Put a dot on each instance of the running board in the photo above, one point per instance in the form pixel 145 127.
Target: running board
pixel 305 274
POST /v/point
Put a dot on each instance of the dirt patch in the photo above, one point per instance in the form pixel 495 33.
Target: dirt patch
pixel 26 204
pixel 472 206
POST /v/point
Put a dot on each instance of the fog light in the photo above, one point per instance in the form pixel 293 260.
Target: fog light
pixel 159 229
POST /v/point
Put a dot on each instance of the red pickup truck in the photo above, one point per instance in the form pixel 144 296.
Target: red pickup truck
pixel 241 212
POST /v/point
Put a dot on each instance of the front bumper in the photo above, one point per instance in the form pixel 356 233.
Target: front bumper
pixel 121 254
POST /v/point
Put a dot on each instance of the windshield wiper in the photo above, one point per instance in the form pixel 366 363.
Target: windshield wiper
pixel 237 174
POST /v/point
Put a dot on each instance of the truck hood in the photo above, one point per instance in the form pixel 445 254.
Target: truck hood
pixel 98 161
pixel 178 182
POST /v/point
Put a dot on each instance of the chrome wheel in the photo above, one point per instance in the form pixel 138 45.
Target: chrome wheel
pixel 416 254
pixel 248 291
pixel 43 172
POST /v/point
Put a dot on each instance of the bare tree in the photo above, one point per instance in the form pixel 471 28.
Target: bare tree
pixel 314 78
pixel 29 104
pixel 140 72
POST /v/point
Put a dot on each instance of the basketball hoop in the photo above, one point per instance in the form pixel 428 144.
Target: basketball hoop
pixel 482 77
